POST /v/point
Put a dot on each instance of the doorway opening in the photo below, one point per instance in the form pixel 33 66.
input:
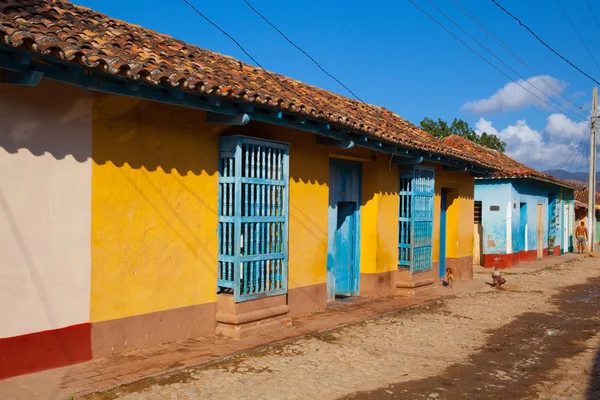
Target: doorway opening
pixel 343 272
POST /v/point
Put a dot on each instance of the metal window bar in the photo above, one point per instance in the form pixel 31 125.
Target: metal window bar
pixel 477 211
pixel 253 217
pixel 405 222
pixel 417 187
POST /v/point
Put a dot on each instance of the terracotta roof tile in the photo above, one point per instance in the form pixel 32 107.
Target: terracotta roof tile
pixel 581 195
pixel 505 166
pixel 59 29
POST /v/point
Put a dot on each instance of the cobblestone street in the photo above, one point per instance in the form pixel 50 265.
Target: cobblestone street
pixel 536 339
pixel 577 377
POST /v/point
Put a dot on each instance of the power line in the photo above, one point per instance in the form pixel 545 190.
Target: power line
pixel 224 33
pixel 592 12
pixel 585 158
pixel 577 33
pixel 503 63
pixel 492 35
pixel 482 57
pixel 585 155
pixel 544 43
pixel 581 147
pixel 584 152
pixel 272 76
pixel 376 114
pixel 380 118
pixel 584 136
pixel 302 51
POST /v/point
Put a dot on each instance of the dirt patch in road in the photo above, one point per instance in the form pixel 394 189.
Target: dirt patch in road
pixel 411 346
pixel 516 357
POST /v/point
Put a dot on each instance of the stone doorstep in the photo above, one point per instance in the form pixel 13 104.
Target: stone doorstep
pixel 244 331
pixel 245 319
pixel 415 285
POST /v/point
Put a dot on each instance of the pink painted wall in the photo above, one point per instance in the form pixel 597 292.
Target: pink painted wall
pixel 45 197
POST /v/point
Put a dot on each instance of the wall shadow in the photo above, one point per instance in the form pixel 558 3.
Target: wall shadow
pixel 143 134
pixel 593 390
pixel 57 120
pixel 524 349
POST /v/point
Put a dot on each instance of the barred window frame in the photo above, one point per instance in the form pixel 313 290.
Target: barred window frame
pixel 415 218
pixel 253 217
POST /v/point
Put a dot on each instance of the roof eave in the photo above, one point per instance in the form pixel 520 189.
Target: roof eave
pixel 25 62
pixel 536 178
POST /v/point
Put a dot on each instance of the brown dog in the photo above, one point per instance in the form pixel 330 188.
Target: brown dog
pixel 450 277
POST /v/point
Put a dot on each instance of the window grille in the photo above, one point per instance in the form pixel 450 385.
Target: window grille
pixel 404 222
pixel 415 218
pixel 477 212
pixel 253 217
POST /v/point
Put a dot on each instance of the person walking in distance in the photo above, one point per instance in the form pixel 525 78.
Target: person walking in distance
pixel 581 235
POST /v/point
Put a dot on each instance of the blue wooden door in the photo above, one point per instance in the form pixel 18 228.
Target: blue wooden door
pixel 443 208
pixel 421 217
pixel 523 227
pixel 345 242
pixel 344 222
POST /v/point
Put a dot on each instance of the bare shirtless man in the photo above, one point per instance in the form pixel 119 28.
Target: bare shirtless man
pixel 581 235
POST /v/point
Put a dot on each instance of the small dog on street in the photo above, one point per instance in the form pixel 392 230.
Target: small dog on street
pixel 450 277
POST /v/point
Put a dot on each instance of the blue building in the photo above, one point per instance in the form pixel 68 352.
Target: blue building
pixel 521 214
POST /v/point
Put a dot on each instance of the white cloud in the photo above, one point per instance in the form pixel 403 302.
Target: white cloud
pixel 484 125
pixel 514 97
pixel 560 127
pixel 541 150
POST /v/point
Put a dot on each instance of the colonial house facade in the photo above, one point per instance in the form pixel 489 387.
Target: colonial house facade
pixel 524 214
pixel 154 191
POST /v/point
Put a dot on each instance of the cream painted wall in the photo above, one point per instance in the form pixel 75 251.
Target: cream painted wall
pixel 45 203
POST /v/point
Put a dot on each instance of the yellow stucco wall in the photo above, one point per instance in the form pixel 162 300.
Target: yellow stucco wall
pixel 154 203
pixel 309 202
pixel 459 214
pixel 379 216
pixel 154 208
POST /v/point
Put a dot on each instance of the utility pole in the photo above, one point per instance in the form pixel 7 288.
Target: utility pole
pixel 592 178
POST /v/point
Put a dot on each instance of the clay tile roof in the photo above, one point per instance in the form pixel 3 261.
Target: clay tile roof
pixel 581 195
pixel 59 29
pixel 505 166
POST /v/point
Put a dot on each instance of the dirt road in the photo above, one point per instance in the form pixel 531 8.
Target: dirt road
pixel 536 339
pixel 522 359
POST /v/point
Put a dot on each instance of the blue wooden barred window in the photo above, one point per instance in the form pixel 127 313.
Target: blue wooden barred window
pixel 415 218
pixel 253 217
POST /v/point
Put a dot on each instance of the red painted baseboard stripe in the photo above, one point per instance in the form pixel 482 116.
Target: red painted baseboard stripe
pixel 510 260
pixel 44 350
pixel 556 250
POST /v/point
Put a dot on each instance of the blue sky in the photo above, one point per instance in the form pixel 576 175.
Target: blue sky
pixel 391 54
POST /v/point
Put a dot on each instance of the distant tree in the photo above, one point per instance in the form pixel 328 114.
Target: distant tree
pixel 440 129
